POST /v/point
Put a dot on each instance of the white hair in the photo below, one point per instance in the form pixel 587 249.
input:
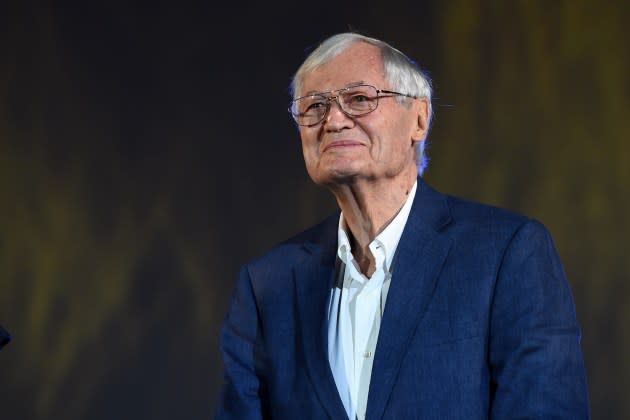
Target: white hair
pixel 402 73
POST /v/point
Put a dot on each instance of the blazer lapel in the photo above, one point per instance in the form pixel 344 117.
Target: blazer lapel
pixel 421 254
pixel 313 282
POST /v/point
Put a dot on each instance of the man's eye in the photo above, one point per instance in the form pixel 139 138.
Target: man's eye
pixel 358 98
pixel 315 106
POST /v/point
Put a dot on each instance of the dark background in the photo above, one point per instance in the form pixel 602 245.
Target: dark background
pixel 145 154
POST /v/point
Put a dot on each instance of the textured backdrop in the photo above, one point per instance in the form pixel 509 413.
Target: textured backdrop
pixel 146 153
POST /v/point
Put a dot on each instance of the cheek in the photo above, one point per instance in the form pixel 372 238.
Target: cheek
pixel 309 151
pixel 309 143
pixel 391 141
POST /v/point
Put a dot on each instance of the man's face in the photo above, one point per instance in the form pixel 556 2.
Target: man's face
pixel 375 146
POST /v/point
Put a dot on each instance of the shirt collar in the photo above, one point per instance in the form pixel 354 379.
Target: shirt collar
pixel 388 239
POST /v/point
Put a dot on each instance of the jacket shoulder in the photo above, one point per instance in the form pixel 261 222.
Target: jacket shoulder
pixel 290 251
pixel 471 213
pixel 491 228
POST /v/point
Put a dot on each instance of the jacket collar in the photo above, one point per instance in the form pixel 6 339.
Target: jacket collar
pixel 422 251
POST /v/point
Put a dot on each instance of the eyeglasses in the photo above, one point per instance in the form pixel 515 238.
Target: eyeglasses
pixel 353 101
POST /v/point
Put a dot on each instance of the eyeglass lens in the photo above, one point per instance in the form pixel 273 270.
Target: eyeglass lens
pixel 356 100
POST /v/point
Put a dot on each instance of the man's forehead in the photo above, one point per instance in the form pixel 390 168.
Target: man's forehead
pixel 360 63
pixel 347 85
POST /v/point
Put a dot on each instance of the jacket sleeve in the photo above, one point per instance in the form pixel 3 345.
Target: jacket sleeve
pixel 240 397
pixel 534 349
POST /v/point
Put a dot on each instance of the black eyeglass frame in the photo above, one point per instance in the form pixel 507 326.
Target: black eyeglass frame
pixel 334 97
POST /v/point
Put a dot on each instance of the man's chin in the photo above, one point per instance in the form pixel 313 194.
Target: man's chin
pixel 338 177
pixel 339 172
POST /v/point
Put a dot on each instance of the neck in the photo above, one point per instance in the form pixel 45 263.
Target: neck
pixel 368 206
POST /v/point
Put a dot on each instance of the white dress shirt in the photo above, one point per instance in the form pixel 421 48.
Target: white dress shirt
pixel 355 312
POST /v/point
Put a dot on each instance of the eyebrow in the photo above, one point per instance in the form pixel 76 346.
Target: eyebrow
pixel 351 84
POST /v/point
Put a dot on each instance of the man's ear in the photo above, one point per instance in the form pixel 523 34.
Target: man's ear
pixel 422 121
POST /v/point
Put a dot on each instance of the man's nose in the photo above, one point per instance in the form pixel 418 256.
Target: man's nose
pixel 336 119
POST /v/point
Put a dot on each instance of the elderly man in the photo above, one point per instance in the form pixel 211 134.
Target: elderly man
pixel 408 304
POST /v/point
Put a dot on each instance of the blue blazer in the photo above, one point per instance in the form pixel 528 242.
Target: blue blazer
pixel 479 323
